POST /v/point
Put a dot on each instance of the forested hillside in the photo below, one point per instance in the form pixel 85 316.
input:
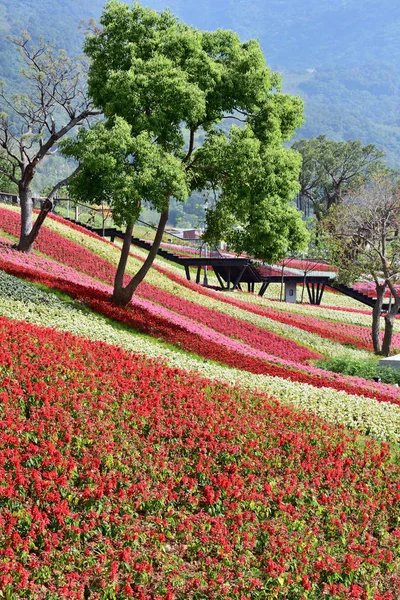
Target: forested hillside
pixel 342 57
pixel 304 34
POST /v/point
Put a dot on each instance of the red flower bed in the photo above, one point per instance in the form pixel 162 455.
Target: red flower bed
pixel 122 478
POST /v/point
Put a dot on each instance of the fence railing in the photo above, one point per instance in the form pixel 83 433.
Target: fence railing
pixel 100 217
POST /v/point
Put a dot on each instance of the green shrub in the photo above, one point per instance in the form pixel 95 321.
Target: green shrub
pixel 368 369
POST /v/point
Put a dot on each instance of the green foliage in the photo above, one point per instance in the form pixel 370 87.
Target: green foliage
pixel 7 186
pixel 331 169
pixel 356 101
pixel 156 78
pixel 122 170
pixel 252 211
pixel 367 369
pixel 57 22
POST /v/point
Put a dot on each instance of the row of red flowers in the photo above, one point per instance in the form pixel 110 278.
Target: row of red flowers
pixel 120 477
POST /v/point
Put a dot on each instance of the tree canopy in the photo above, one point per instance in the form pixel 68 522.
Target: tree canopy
pixel 251 209
pixel 164 88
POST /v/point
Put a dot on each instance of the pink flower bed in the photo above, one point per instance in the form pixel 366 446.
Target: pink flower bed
pixel 369 289
pixel 78 257
pixel 74 255
pixel 189 317
pixel 354 335
pixel 309 265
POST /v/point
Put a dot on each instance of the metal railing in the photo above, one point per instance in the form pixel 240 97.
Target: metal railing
pixel 100 217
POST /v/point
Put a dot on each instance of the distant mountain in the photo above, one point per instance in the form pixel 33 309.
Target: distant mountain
pixel 341 56
pixel 304 33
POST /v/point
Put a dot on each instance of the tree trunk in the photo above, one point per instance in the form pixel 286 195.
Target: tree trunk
pixel 302 291
pixel 123 295
pixel 44 211
pixel 30 232
pixel 376 317
pixel 25 198
pixel 389 322
pixel 282 279
pixel 119 291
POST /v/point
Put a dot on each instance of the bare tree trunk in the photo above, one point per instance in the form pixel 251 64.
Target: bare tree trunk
pixel 122 296
pixel 304 285
pixel 44 211
pixel 376 316
pixel 25 198
pixel 389 322
pixel 30 232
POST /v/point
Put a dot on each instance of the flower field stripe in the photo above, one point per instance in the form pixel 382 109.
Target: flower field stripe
pixel 141 255
pixel 143 317
pixel 42 264
pixel 83 258
pixel 355 335
pixel 199 295
pixel 102 270
pixel 154 293
pixel 74 255
pixel 255 337
pixel 21 300
pixel 87 262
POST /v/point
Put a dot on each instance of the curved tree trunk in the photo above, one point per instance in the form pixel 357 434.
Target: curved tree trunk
pixel 282 280
pixel 44 211
pixel 376 317
pixel 118 296
pixel 25 198
pixel 29 230
pixel 304 285
pixel 123 295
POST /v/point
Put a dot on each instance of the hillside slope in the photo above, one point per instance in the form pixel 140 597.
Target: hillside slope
pixel 126 474
pixel 294 34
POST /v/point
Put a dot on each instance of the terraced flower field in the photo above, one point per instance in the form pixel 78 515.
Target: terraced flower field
pixel 185 446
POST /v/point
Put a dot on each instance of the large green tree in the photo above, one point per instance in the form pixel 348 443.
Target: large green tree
pixel 172 85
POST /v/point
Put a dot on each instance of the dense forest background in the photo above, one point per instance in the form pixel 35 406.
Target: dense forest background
pixel 342 57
